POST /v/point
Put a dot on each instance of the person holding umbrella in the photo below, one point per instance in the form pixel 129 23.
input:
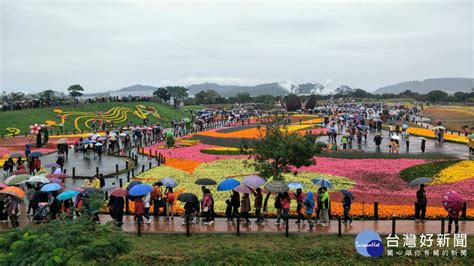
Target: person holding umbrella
pixel 309 208
pixel 299 201
pixel 378 140
pixel 13 210
pixel 206 206
pixel 156 195
pixel 452 203
pixel 423 145
pixel 235 202
pixel 325 203
pixel 258 205
pixel 169 202
pixel 347 201
pixel 245 209
pixel 421 202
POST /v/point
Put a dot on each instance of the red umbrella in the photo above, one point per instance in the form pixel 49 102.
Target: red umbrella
pixel 452 202
pixel 21 172
pixel 119 192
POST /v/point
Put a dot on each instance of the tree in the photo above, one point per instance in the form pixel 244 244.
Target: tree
pixel 310 102
pixel 75 91
pixel 243 97
pixel 178 94
pixel 292 102
pixel 461 96
pixel 16 96
pixel 47 94
pixel 343 91
pixel 436 95
pixel 207 97
pixel 163 94
pixel 277 150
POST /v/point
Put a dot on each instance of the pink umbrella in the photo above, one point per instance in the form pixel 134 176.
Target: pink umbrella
pixel 243 189
pixel 253 181
pixel 55 180
pixel 119 192
pixel 2 185
pixel 452 202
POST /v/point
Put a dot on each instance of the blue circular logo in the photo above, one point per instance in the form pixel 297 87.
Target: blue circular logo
pixel 369 244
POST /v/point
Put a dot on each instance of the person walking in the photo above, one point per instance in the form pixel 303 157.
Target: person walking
pixel 299 205
pixel 245 208
pixel 156 197
pixel 423 145
pixel 258 205
pixel 235 201
pixel 420 205
pixel 13 210
pixel 347 201
pixel 278 208
pixel 139 210
pixel 119 203
pixel 309 207
pixel 325 203
pixel 453 216
pixel 170 199
pixel 206 205
pixel 285 206
pixel 147 200
pixel 378 140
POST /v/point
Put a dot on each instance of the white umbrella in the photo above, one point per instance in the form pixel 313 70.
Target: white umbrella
pixel 396 137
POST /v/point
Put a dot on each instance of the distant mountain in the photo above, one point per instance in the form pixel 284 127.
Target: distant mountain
pixel 449 85
pixel 139 87
pixel 275 89
pixel 232 90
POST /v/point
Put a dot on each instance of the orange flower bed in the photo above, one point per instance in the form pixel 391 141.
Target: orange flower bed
pixel 249 133
pixel 183 164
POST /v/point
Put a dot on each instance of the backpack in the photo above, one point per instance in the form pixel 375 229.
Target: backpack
pixel 170 197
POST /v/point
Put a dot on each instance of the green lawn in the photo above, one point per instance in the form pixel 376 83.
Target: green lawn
pixel 23 119
pixel 251 249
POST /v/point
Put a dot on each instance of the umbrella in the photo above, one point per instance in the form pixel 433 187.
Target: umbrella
pixel 38 179
pixel 276 186
pixel 21 172
pixel 13 191
pixel 423 138
pixel 228 184
pixel 86 142
pixel 322 182
pixel 36 154
pixel 253 181
pixel 16 155
pixel 471 136
pixel 122 135
pixel 78 189
pixel 140 190
pixel 243 189
pixel 16 179
pixel 60 176
pixel 188 197
pixel 295 185
pixel 452 202
pixel 68 194
pixel 51 165
pixel 28 145
pixel 396 137
pixel 169 134
pixel 205 181
pixel 61 141
pixel 158 183
pixel 3 185
pixel 108 188
pixel 439 127
pixel 98 144
pixel 51 187
pixel 420 181
pixel 405 126
pixel 169 182
pixel 132 184
pixel 55 180
pixel 347 193
pixel 119 192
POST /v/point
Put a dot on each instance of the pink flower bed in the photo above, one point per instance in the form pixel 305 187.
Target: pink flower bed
pixel 192 153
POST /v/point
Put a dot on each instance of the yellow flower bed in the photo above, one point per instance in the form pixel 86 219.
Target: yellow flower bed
pixel 50 123
pixel 455 173
pixel 428 133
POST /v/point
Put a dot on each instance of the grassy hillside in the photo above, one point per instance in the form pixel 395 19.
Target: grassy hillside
pixel 80 117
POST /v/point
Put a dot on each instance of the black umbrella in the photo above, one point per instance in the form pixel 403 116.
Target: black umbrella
pixel 93 190
pixel 188 197
pixel 205 182
pixel 16 155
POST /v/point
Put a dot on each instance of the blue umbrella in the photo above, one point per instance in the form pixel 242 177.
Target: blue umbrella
pixel 86 142
pixel 140 190
pixel 405 126
pixel 51 187
pixel 347 193
pixel 228 184
pixel 68 194
pixel 36 154
pixel 133 183
pixel 169 182
pixel 295 185
pixel 322 182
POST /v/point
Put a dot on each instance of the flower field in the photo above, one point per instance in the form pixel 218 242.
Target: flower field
pixel 370 180
pixel 428 133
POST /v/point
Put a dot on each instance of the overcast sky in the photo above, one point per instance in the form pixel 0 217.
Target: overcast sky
pixel 108 45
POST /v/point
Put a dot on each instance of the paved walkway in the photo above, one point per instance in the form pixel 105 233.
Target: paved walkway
pixel 384 227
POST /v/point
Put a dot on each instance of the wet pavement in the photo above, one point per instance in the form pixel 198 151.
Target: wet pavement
pixel 383 227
